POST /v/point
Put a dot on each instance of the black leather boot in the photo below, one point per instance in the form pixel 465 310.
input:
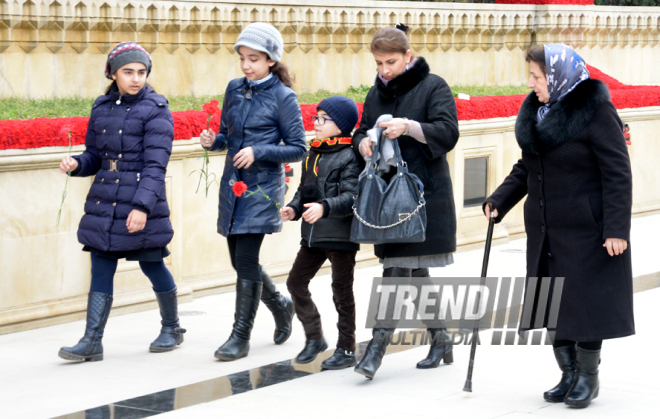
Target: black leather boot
pixel 171 334
pixel 90 347
pixel 280 306
pixel 441 349
pixel 248 294
pixel 312 348
pixel 373 355
pixel 341 359
pixel 585 385
pixel 565 356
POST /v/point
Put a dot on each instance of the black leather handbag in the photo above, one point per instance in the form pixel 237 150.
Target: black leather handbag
pixel 393 212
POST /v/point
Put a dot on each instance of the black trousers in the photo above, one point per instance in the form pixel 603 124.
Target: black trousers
pixel 244 253
pixel 307 264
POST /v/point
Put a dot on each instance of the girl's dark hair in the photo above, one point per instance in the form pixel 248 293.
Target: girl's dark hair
pixel 282 73
pixel 109 88
pixel 388 40
pixel 536 53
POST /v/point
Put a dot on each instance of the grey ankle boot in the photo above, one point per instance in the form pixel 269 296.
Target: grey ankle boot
pixel 171 334
pixel 90 348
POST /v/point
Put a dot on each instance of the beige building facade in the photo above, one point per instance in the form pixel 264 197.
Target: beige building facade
pixel 57 48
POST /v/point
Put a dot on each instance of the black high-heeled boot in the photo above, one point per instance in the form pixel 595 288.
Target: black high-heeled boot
pixel 280 306
pixel 90 347
pixel 373 355
pixel 382 333
pixel 565 356
pixel 585 385
pixel 171 334
pixel 441 349
pixel 248 294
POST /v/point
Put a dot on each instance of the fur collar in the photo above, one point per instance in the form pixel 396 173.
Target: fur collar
pixel 405 82
pixel 565 119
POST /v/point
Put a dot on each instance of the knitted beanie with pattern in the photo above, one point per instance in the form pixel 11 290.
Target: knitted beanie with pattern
pixel 125 53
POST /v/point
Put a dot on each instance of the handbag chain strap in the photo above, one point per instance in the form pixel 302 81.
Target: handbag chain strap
pixel 401 221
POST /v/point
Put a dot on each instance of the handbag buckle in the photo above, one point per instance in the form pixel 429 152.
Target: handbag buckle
pixel 113 166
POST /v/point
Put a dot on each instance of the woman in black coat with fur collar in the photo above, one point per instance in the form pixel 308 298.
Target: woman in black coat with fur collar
pixel 575 171
pixel 425 125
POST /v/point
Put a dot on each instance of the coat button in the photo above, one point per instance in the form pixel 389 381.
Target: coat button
pixel 540 177
pixel 97 202
pixel 114 204
pixel 106 154
pixel 119 156
pixel 231 182
pixel 102 180
pixel 543 228
pixel 128 109
pixel 541 202
pixel 120 131
pixel 104 131
pixel 116 180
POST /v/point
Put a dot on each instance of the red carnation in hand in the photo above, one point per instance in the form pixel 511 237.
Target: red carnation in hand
pixel 239 188
pixel 211 107
pixel 66 130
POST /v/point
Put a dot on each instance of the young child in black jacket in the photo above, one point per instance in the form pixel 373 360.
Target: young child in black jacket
pixel 324 200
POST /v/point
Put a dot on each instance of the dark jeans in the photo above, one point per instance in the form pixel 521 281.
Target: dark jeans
pixel 244 253
pixel 307 264
pixel 103 274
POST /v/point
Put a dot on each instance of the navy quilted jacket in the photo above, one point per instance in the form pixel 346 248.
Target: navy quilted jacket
pixel 261 117
pixel 137 132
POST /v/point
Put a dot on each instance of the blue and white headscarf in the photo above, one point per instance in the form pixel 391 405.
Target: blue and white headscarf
pixel 564 70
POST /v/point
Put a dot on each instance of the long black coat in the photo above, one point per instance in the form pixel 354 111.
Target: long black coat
pixel 337 183
pixel 137 132
pixel 427 99
pixel 575 171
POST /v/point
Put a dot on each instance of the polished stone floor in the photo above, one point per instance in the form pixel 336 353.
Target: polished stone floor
pixel 188 382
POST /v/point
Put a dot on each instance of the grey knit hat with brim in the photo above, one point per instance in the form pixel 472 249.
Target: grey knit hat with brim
pixel 262 37
pixel 125 53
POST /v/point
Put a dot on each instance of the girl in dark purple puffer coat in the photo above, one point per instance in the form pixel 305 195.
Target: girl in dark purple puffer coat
pixel 127 148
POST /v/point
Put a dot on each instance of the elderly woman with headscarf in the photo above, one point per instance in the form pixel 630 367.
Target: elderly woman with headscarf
pixel 575 171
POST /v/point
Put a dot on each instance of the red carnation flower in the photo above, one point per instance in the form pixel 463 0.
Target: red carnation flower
pixel 211 107
pixel 66 130
pixel 239 188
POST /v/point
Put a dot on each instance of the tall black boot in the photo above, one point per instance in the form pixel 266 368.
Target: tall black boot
pixel 373 355
pixel 441 349
pixel 237 346
pixel 90 347
pixel 382 333
pixel 565 356
pixel 280 306
pixel 171 334
pixel 585 386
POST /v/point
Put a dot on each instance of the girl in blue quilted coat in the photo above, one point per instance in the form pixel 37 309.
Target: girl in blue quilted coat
pixel 127 148
pixel 260 129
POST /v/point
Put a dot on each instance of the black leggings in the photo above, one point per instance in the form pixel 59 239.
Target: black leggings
pixel 591 346
pixel 244 253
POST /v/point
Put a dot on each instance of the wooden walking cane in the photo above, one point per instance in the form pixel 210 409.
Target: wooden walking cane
pixel 484 269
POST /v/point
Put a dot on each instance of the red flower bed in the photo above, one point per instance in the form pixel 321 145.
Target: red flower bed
pixel 581 2
pixel 46 132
